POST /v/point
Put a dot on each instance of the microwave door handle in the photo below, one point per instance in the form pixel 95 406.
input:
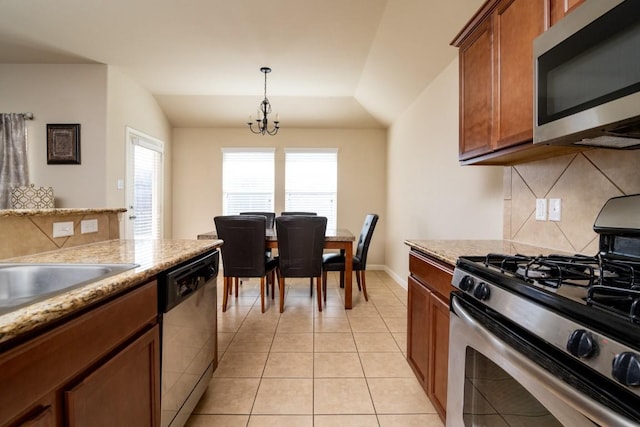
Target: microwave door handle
pixel 596 412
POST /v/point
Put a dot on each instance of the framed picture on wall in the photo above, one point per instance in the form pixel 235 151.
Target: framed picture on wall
pixel 63 144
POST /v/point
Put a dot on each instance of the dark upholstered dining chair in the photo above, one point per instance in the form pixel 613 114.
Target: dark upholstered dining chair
pixel 336 261
pixel 291 213
pixel 243 253
pixel 271 217
pixel 271 223
pixel 300 246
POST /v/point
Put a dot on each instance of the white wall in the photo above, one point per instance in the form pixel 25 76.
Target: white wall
pixel 197 175
pixel 62 94
pixel 103 101
pixel 430 196
pixel 130 105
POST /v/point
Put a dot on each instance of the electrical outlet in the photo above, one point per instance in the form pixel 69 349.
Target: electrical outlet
pixel 541 209
pixel 555 209
pixel 63 229
pixel 89 226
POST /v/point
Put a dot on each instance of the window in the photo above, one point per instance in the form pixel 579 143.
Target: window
pixel 311 182
pixel 144 183
pixel 247 180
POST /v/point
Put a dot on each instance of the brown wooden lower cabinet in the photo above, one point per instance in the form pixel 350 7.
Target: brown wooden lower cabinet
pixel 100 368
pixel 429 286
pixel 120 392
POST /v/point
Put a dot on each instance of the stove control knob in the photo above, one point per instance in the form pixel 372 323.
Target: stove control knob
pixel 582 344
pixel 467 283
pixel 481 291
pixel 626 369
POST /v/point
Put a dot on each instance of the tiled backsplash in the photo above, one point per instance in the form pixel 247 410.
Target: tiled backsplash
pixel 26 235
pixel 583 181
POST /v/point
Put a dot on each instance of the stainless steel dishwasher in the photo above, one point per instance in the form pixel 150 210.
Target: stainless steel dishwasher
pixel 187 303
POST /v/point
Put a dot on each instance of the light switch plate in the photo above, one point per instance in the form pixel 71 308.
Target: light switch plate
pixel 88 226
pixel 555 209
pixel 63 229
pixel 541 209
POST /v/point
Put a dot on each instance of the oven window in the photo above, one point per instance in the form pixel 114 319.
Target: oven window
pixel 493 398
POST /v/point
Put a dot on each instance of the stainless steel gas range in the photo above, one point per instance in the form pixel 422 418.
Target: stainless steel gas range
pixel 550 340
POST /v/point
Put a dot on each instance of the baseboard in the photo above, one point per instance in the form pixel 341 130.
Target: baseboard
pixel 402 281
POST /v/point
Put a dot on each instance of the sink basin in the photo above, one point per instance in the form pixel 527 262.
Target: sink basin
pixel 21 284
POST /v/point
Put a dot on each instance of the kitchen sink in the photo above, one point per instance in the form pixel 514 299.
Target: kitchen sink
pixel 21 284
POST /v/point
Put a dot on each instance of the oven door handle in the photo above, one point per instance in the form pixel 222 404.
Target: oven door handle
pixel 595 411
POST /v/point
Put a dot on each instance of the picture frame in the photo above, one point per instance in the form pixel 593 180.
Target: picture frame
pixel 63 144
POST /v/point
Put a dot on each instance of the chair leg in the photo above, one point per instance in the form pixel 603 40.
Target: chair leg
pixel 281 283
pixel 262 293
pixel 310 286
pixel 324 285
pixel 358 279
pixel 319 291
pixel 364 284
pixel 237 280
pixel 273 283
pixel 225 293
pixel 342 279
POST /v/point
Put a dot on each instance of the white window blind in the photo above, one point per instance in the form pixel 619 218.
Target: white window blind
pixel 247 180
pixel 147 187
pixel 311 182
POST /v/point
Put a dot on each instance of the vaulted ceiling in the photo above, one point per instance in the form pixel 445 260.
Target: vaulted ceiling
pixel 336 63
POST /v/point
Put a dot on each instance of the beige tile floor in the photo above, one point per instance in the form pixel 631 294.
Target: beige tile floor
pixel 305 368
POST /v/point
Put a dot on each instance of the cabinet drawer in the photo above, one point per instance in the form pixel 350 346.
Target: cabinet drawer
pixel 45 363
pixel 436 275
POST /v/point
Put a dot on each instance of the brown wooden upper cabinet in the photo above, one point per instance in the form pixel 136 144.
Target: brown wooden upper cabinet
pixel 496 80
pixel 558 9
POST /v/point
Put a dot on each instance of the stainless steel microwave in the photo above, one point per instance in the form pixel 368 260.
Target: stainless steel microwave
pixel 587 77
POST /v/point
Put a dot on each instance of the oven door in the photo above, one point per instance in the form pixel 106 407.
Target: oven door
pixel 493 383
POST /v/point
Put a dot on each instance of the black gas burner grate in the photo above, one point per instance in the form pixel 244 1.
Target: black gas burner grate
pixel 618 288
pixel 620 274
pixel 620 300
pixel 613 284
pixel 549 270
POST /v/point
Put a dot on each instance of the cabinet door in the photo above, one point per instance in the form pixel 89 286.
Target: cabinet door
pixel 121 392
pixel 516 24
pixel 44 417
pixel 439 353
pixel 558 9
pixel 418 330
pixel 476 105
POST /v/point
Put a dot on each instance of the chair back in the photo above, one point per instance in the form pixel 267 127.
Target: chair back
pixel 300 245
pixel 271 217
pixel 290 213
pixel 243 250
pixel 366 234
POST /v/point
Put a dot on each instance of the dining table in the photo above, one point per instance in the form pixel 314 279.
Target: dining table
pixel 338 238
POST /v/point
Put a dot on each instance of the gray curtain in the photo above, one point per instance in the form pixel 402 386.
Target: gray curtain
pixel 13 156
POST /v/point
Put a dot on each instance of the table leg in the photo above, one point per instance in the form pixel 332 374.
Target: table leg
pixel 348 275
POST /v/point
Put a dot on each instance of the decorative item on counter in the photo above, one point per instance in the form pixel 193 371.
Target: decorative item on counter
pixel 32 197
pixel 63 144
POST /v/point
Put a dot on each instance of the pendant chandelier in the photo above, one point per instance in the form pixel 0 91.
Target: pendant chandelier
pixel 264 109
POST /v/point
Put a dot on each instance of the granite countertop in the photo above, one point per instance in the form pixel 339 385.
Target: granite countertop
pixel 58 211
pixel 449 250
pixel 153 257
